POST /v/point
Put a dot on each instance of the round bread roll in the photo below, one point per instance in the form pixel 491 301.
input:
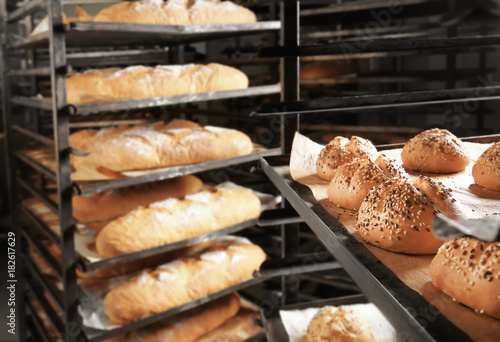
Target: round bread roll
pixel 436 151
pixel 352 182
pixel 340 151
pixel 440 197
pixel 468 270
pixel 338 325
pixel 486 170
pixel 391 168
pixel 397 217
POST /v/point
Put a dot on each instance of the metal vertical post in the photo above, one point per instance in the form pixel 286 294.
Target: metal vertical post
pixel 290 33
pixel 60 114
pixel 20 311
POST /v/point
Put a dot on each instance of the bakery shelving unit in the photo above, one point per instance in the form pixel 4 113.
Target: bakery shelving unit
pixel 410 313
pixel 61 306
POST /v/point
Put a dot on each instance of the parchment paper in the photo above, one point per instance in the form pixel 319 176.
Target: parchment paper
pixel 297 321
pixel 413 270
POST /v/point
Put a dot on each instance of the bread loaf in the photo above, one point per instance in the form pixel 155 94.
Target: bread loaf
pixel 177 12
pixel 338 325
pixel 153 146
pixel 114 203
pixel 174 220
pixel 137 82
pixel 340 151
pixel 486 170
pixel 468 270
pixel 238 328
pixel 224 264
pixel 190 325
pixel 352 182
pixel 436 151
pixel 397 217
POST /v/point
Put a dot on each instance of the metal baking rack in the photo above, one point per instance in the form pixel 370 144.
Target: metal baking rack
pixel 397 301
pixel 116 106
pixel 102 34
pixel 352 103
pixel 274 325
pixel 54 54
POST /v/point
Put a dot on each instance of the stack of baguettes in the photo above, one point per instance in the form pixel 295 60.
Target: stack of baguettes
pixel 141 147
pixel 138 82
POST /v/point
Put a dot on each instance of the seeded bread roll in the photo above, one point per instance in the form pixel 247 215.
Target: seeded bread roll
pixel 391 168
pixel 138 82
pixel 352 182
pixel 177 12
pixel 436 151
pixel 222 265
pixel 174 220
pixel 190 325
pixel 158 145
pixel 338 325
pixel 114 203
pixel 468 270
pixel 397 217
pixel 341 151
pixel 440 196
pixel 486 170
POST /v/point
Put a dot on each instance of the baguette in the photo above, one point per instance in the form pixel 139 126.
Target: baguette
pixel 111 204
pixel 222 265
pixel 190 325
pixel 174 220
pixel 237 328
pixel 138 82
pixel 177 12
pixel 153 146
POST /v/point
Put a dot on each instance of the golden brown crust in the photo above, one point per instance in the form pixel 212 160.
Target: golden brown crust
pixel 468 270
pixel 237 328
pixel 190 325
pixel 338 325
pixel 340 151
pixel 174 220
pixel 114 203
pixel 435 150
pixel 137 82
pixel 152 146
pixel 177 13
pixel 486 170
pixel 440 197
pixel 352 182
pixel 219 266
pixel 391 168
pixel 397 217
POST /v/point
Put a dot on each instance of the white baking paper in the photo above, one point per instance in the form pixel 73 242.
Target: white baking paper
pixel 297 321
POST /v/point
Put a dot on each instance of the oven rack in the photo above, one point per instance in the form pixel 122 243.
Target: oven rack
pixel 116 106
pixel 366 102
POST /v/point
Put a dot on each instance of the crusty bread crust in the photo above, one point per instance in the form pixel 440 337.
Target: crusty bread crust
pixel 486 170
pixel 468 270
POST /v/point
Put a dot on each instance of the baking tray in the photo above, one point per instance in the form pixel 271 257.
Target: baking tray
pixel 264 274
pixel 89 261
pixel 115 106
pixel 407 310
pixel 106 34
pixel 89 188
pixel 275 331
